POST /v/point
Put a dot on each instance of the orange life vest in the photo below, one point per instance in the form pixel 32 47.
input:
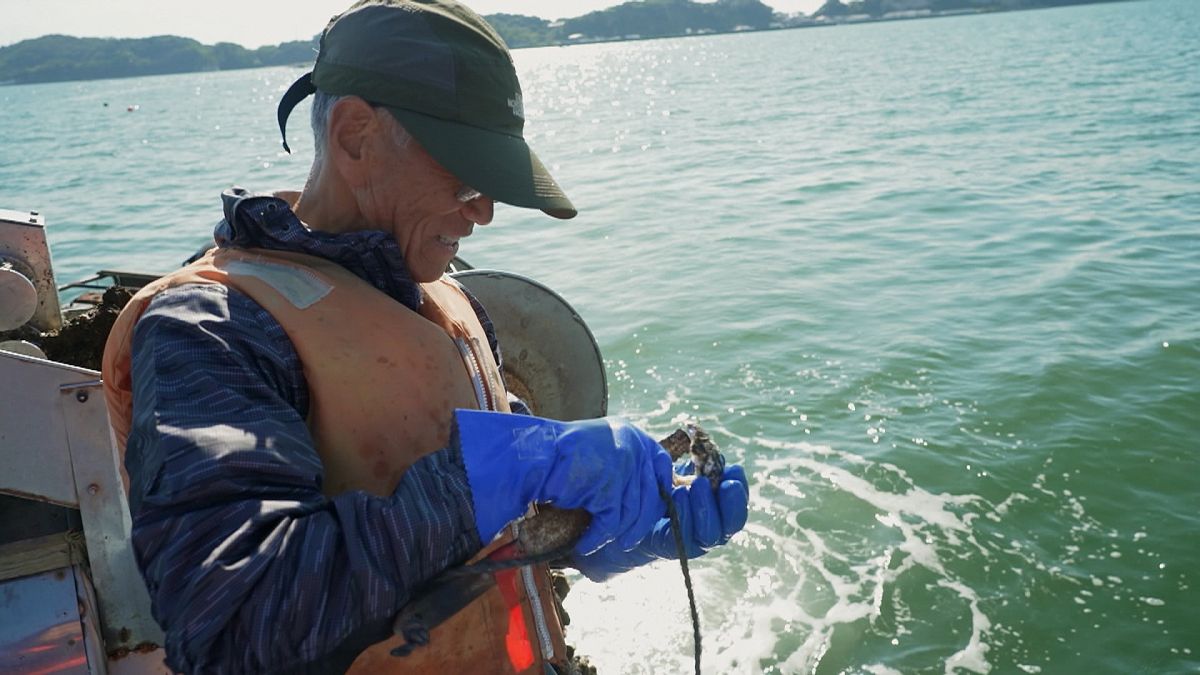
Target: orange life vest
pixel 383 382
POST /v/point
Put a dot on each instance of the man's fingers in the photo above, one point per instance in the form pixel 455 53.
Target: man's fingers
pixel 648 503
pixel 707 520
pixel 734 502
pixel 736 472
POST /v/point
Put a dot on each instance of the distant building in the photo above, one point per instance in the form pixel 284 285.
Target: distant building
pixel 890 6
pixel 909 14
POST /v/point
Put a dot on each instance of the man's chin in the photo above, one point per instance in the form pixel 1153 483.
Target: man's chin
pixel 428 270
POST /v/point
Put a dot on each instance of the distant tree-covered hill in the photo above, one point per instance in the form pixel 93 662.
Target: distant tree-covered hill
pixel 641 18
pixel 56 58
pixel 656 18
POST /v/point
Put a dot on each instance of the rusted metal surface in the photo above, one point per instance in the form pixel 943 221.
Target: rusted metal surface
pixel 23 243
pixel 144 660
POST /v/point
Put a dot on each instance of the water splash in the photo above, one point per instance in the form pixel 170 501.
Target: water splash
pixel 798 591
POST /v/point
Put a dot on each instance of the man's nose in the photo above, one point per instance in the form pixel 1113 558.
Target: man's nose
pixel 479 210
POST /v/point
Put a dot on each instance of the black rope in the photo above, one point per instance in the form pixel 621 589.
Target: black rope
pixel 687 575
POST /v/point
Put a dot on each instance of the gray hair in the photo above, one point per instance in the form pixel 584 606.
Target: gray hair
pixel 322 107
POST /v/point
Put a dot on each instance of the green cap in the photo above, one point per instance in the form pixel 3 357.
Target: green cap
pixel 448 77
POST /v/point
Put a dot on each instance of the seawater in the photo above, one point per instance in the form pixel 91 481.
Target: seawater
pixel 935 283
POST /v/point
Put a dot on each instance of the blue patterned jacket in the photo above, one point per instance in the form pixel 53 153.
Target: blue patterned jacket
pixel 250 567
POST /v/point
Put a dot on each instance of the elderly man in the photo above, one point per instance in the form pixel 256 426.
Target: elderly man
pixel 312 416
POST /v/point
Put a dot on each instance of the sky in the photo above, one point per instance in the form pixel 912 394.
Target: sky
pixel 251 23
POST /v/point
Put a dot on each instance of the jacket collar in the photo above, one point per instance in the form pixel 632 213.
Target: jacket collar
pixel 267 221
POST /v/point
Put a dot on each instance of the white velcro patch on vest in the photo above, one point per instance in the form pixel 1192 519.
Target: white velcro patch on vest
pixel 300 287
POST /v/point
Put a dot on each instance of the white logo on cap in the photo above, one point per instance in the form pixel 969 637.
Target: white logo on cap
pixel 518 107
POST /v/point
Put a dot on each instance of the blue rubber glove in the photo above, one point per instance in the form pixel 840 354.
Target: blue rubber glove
pixel 706 520
pixel 605 466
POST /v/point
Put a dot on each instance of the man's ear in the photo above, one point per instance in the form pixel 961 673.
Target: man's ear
pixel 352 122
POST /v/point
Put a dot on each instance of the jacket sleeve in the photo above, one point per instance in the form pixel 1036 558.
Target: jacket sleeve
pixel 250 567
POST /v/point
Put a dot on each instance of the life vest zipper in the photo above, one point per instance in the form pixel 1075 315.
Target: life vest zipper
pixel 539 614
pixel 475 370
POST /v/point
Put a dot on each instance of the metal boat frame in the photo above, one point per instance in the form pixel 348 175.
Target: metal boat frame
pixel 57 450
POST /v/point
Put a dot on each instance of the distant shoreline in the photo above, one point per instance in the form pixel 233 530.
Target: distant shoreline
pixel 172 55
pixel 815 24
pixel 811 23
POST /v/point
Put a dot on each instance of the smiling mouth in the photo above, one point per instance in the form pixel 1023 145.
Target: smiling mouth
pixel 450 242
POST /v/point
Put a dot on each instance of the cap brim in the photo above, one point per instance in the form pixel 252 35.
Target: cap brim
pixel 500 166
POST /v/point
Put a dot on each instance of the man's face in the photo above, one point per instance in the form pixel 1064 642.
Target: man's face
pixel 410 195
